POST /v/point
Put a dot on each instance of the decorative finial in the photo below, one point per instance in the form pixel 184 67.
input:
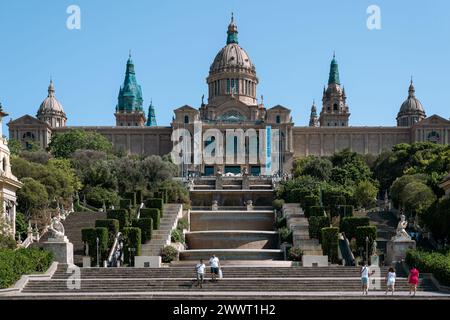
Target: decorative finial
pixel 129 53
pixel 411 80
pixel 334 54
pixel 203 98
pixel 262 99
pixel 232 16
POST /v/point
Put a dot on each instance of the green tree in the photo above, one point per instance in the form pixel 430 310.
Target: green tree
pixel 313 166
pixel 63 145
pixel 417 197
pixel 15 147
pixel 33 195
pixel 365 194
pixel 400 183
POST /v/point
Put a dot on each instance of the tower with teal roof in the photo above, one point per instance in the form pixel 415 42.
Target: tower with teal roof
pixel 335 112
pixel 129 110
pixel 151 120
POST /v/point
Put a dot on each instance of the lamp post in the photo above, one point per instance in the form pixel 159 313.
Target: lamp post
pixel 367 249
pixel 97 240
pixel 130 253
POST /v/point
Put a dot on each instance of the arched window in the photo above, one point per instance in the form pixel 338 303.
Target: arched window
pixel 335 107
pixel 186 119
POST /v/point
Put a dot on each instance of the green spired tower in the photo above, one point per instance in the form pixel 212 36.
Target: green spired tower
pixel 129 111
pixel 151 120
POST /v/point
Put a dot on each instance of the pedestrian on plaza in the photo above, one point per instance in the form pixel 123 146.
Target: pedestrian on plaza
pixel 390 281
pixel 214 264
pixel 200 271
pixel 365 278
pixel 413 280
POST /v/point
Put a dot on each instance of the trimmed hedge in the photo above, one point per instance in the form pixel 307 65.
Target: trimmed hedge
pixel 130 196
pixel 122 215
pixel 348 225
pixel 113 228
pixel 146 226
pixel 315 226
pixel 362 233
pixel 431 262
pixel 90 235
pixel 132 239
pixel 139 196
pixel 151 213
pixel 315 211
pixel 311 201
pixel 155 203
pixel 125 204
pixel 168 254
pixel 330 243
pixel 345 211
pixel 295 254
pixel 15 263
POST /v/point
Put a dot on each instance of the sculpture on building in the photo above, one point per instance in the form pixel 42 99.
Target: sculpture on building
pixel 401 233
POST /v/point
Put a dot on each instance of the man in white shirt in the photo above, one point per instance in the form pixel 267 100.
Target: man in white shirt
pixel 214 264
pixel 200 270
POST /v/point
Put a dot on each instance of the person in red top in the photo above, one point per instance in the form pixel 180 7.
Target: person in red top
pixel 413 280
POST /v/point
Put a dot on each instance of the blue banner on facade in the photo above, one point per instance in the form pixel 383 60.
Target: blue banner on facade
pixel 268 150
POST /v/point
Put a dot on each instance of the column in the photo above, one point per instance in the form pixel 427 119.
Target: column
pixel 307 145
pixel 380 143
pixel 321 144
pixel 366 143
pixel 143 145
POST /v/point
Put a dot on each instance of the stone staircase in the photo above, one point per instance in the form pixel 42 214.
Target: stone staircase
pixel 298 223
pixel 72 226
pixel 179 282
pixel 161 237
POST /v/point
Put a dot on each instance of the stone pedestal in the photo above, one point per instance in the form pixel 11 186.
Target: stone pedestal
pixel 396 250
pixel 86 262
pixel 147 262
pixel 375 260
pixel 62 250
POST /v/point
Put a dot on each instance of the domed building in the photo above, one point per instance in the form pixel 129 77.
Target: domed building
pixel 51 111
pixel 233 124
pixel 411 110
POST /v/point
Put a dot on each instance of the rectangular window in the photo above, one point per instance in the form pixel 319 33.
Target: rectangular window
pixel 237 86
pixel 228 86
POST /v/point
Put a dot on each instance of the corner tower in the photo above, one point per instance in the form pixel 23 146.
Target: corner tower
pixel 129 112
pixel 335 111
pixel 151 120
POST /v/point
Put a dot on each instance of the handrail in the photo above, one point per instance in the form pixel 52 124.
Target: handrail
pixel 116 248
pixel 347 253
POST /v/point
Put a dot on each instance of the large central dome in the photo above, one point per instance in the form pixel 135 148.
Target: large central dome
pixel 232 73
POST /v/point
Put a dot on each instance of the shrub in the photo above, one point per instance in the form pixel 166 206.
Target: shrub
pixel 113 228
pixel 277 204
pixel 15 263
pixel 315 226
pixel 348 225
pixel 121 215
pixel 89 236
pixel 280 223
pixel 345 211
pixel 168 254
pixel 362 233
pixel 330 242
pixel 125 204
pixel 183 223
pixel 295 254
pixel 146 226
pixel 155 203
pixel 431 262
pixel 153 214
pixel 97 196
pixel 285 235
pixel 132 239
pixel 177 236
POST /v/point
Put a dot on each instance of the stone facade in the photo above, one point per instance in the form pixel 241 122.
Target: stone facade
pixel 233 104
pixel 9 184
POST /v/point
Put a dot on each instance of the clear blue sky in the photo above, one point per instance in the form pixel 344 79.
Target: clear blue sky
pixel 174 42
